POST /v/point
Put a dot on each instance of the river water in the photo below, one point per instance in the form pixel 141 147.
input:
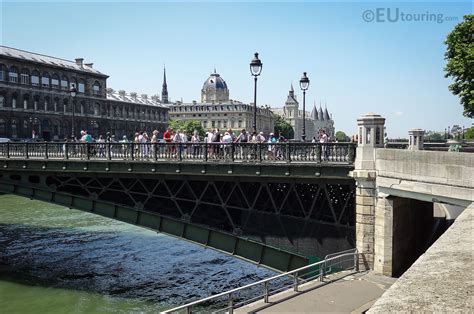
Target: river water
pixel 59 260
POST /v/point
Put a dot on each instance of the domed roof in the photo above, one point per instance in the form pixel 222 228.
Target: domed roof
pixel 215 81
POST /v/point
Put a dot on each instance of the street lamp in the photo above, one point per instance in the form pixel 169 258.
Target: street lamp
pixel 72 91
pixel 304 84
pixel 33 121
pixel 255 70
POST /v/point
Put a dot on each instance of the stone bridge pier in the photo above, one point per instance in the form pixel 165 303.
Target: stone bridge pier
pixel 396 193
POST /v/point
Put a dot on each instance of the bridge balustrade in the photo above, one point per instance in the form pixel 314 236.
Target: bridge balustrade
pixel 182 152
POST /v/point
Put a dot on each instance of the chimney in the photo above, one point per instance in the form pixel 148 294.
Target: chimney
pixel 133 95
pixel 122 93
pixel 79 61
pixel 144 96
pixel 89 65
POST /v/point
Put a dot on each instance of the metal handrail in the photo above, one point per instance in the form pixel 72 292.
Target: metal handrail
pixel 293 274
pixel 182 152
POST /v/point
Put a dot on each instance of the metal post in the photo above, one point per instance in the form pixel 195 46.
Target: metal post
pixel 66 150
pixel 87 151
pixel 295 282
pixel 180 155
pixel 303 136
pixel 27 150
pixel 231 304
pixel 45 150
pixel 288 152
pixel 322 269
pixel 206 149
pixel 254 125
pixel 109 153
pixel 155 151
pixel 232 149
pixel 356 261
pixel 132 150
pixel 72 119
pixel 260 152
pixel 265 292
pixel 8 150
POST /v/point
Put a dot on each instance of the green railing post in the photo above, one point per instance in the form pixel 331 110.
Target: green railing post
pixel 66 151
pixel 45 150
pixel 155 151
pixel 8 150
pixel 132 151
pixel 27 150
pixel 206 150
pixel 180 152
pixel 295 282
pixel 231 304
pixel 288 152
pixel 109 153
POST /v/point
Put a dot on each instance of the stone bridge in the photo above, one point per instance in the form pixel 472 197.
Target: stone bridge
pixel 395 193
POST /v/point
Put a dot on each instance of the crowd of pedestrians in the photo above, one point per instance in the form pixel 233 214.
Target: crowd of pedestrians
pixel 219 144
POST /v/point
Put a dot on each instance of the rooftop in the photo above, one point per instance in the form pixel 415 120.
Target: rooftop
pixel 48 60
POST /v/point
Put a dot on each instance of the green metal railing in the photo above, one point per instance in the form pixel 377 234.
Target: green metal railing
pixel 182 152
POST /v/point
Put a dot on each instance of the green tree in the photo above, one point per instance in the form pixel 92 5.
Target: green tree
pixel 282 127
pixel 341 136
pixel 469 133
pixel 436 137
pixel 460 63
pixel 188 126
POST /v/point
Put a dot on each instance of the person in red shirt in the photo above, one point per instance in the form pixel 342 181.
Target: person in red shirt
pixel 167 135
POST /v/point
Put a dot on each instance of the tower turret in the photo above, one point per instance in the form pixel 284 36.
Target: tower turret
pixel 164 89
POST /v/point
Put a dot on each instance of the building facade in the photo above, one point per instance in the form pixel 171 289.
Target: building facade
pixel 35 100
pixel 314 121
pixel 216 110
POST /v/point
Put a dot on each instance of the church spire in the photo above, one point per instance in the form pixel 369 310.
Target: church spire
pixel 164 89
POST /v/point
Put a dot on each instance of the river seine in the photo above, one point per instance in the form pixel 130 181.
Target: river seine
pixel 59 260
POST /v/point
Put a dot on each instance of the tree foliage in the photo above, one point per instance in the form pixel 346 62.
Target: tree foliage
pixel 460 63
pixel 436 136
pixel 187 126
pixel 282 127
pixel 341 136
pixel 469 133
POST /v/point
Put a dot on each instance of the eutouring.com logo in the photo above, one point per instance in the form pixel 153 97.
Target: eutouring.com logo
pixel 394 15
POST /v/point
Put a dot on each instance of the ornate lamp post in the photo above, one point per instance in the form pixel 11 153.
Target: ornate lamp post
pixel 255 70
pixel 72 91
pixel 33 122
pixel 304 84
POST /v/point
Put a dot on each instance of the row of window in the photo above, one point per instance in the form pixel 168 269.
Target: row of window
pixel 45 80
pixel 83 108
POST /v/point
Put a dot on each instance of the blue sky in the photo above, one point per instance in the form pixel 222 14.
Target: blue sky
pixel 391 68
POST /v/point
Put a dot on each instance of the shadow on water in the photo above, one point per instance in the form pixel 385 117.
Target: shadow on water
pixel 139 264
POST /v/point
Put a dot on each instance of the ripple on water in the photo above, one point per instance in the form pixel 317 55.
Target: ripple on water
pixel 98 265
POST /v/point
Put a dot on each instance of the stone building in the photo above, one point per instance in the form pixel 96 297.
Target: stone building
pixel 216 110
pixel 314 121
pixel 35 99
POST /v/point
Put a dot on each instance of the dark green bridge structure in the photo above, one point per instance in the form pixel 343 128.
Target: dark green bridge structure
pixel 281 206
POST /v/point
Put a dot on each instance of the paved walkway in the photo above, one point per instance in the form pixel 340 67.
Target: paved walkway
pixel 354 293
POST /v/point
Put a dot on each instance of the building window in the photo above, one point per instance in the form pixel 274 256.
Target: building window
pixel 81 88
pixel 24 77
pixel 13 75
pixel 64 83
pixel 2 72
pixel 55 81
pixel 45 80
pixel 2 126
pixel 35 78
pixel 73 81
pixel 96 88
